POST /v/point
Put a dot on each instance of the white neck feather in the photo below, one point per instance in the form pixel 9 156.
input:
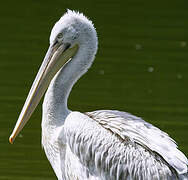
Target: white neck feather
pixel 55 108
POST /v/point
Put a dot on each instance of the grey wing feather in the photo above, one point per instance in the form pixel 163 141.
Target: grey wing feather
pixel 127 125
pixel 118 145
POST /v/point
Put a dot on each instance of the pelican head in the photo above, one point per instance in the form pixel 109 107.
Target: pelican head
pixel 70 36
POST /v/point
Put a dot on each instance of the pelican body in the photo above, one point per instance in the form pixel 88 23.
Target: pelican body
pixel 98 145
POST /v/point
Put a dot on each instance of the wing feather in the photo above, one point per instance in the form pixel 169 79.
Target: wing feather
pixel 126 125
pixel 116 145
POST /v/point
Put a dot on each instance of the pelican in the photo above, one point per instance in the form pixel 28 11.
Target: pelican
pixel 98 145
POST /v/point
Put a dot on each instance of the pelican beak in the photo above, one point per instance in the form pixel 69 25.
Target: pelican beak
pixel 56 56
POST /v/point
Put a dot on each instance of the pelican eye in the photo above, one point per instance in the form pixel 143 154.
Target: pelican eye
pixel 59 36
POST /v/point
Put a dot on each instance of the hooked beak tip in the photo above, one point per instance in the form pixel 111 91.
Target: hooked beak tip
pixel 11 140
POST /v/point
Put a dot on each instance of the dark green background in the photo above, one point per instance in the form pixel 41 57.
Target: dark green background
pixel 141 67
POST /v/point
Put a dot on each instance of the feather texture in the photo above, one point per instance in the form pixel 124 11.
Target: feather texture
pixel 126 125
pixel 108 145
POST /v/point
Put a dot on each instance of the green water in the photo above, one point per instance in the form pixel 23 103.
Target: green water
pixel 141 67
